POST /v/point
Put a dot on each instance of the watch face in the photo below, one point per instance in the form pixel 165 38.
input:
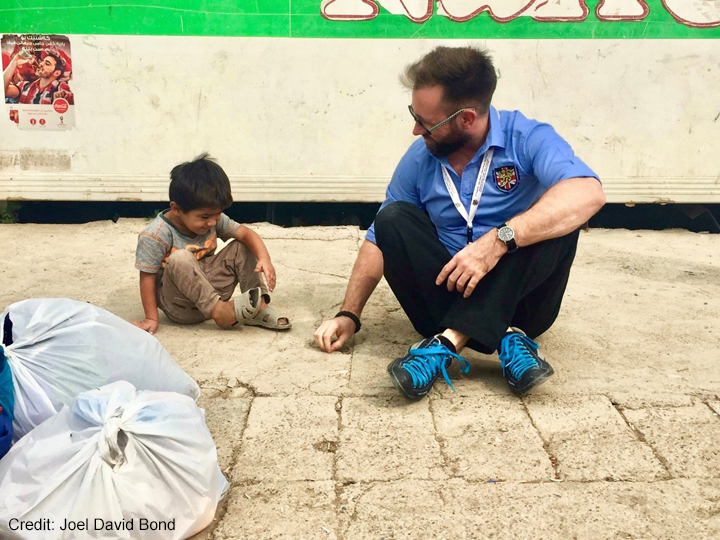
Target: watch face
pixel 506 234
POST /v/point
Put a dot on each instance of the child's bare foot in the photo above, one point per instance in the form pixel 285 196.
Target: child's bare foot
pixel 224 314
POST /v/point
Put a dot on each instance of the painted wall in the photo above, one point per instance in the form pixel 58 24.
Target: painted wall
pixel 325 119
pixel 482 19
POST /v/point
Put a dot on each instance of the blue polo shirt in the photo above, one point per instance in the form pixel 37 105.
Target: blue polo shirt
pixel 529 158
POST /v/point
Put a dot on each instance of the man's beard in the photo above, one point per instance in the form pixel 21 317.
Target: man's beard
pixel 452 143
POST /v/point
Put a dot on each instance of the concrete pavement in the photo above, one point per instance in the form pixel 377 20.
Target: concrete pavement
pixel 624 441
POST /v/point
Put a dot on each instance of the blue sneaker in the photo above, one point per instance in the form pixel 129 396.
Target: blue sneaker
pixel 415 373
pixel 522 365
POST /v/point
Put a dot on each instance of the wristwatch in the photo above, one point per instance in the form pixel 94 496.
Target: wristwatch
pixel 507 236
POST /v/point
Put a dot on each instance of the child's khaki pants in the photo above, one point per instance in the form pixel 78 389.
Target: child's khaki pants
pixel 191 288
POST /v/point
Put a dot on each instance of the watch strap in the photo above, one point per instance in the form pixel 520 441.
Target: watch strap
pixel 511 244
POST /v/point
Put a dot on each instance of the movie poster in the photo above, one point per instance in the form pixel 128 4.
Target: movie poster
pixel 37 73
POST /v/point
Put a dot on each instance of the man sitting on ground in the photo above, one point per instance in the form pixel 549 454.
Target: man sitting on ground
pixel 478 231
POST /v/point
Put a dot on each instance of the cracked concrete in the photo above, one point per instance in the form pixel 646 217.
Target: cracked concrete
pixel 621 443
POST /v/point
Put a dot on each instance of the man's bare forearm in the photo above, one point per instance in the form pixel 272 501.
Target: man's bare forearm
pixel 366 274
pixel 561 210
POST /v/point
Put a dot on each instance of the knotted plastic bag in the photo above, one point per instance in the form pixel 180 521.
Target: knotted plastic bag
pixel 58 348
pixel 114 463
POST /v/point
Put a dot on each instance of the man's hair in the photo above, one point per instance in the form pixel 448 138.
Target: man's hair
pixel 59 64
pixel 466 74
pixel 200 183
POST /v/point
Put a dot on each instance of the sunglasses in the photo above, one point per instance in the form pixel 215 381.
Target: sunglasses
pixel 439 124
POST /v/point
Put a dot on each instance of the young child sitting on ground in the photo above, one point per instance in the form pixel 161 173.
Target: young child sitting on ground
pixel 179 270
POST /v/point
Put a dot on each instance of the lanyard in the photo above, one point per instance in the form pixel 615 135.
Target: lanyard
pixel 477 193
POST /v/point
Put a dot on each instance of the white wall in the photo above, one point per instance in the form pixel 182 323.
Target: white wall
pixel 327 120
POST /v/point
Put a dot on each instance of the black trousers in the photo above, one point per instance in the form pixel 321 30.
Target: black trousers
pixel 524 290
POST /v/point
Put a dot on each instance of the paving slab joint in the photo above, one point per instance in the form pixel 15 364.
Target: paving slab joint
pixel 449 469
pixel 337 484
pixel 338 410
pixel 694 398
pixel 227 393
pixel 352 518
pixel 641 437
pixel 344 277
pixel 713 411
pixel 230 385
pixel 223 507
pixel 352 362
pixel 554 461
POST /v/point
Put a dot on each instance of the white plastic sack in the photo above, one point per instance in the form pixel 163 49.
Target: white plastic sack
pixel 63 347
pixel 113 455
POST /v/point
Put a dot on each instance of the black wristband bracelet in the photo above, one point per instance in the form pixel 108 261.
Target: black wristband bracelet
pixel 354 318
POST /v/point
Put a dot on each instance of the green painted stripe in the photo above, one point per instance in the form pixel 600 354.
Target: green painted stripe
pixel 301 18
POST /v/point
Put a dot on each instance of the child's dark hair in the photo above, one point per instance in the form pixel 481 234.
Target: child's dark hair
pixel 200 183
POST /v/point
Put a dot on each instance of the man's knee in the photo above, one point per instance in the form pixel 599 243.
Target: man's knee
pixel 395 212
pixel 393 217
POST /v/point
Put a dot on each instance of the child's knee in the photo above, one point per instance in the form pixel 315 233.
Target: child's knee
pixel 242 252
pixel 179 260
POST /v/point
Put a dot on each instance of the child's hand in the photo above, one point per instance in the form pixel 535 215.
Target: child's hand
pixel 149 325
pixel 266 267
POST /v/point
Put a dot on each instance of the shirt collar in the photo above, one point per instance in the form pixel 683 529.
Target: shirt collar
pixel 496 135
pixel 166 220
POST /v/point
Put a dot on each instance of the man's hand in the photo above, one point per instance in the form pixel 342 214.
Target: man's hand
pixel 340 327
pixel 19 60
pixel 265 266
pixel 60 94
pixel 472 263
pixel 149 325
